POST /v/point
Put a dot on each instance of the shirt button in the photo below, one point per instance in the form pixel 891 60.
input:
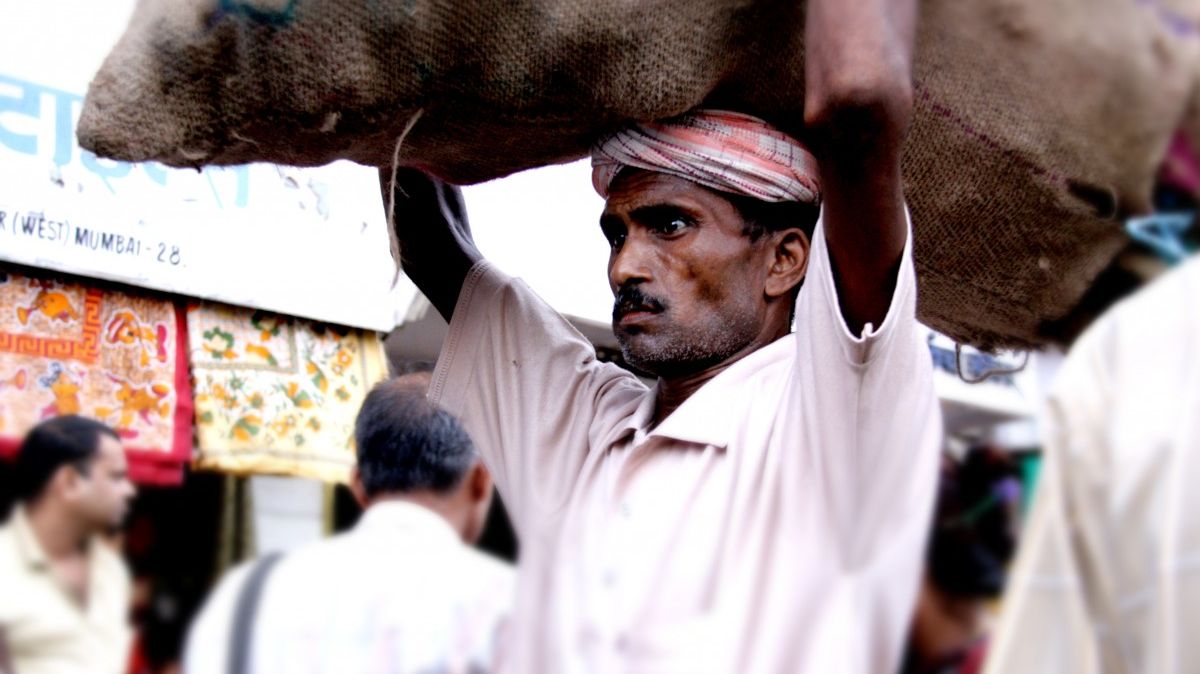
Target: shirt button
pixel 610 577
pixel 625 511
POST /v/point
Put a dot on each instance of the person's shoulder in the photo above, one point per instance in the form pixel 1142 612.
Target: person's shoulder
pixel 306 568
pixel 319 553
pixel 487 561
pixel 485 583
pixel 1163 315
pixel 235 576
pixel 226 589
pixel 208 634
pixel 488 568
pixel 1171 297
pixel 1168 305
pixel 1139 355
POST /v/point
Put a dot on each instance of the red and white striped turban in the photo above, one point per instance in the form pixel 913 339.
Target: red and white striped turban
pixel 725 151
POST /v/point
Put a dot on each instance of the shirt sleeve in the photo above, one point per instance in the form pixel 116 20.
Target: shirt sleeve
pixel 529 390
pixel 868 408
pixel 864 411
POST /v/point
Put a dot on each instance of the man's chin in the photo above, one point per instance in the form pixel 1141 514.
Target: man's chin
pixel 641 356
pixel 117 523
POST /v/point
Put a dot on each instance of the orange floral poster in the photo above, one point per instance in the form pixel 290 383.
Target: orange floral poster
pixel 69 348
pixel 277 394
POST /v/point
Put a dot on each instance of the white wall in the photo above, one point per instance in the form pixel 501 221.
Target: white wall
pixel 543 225
pixel 288 512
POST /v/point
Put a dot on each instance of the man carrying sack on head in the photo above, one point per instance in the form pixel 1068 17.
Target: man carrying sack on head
pixel 762 508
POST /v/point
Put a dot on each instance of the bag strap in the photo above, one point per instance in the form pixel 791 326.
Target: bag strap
pixel 241 636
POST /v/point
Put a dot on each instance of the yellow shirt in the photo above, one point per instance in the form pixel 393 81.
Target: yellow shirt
pixel 47 631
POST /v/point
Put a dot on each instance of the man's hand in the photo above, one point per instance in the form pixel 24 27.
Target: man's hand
pixel 436 248
pixel 858 106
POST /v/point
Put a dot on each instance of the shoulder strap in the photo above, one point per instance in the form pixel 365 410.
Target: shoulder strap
pixel 241 637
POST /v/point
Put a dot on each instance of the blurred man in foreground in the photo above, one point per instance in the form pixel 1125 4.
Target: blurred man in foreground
pixel 401 592
pixel 64 593
pixel 1108 576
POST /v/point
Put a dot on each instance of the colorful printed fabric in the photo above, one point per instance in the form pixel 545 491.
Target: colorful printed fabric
pixel 277 394
pixel 726 151
pixel 67 348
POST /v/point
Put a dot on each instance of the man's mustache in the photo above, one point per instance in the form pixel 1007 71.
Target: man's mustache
pixel 631 298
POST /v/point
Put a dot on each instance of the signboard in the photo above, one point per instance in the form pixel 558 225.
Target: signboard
pixel 305 242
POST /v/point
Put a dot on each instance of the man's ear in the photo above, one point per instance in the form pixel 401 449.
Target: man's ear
pixel 479 483
pixel 789 262
pixel 67 482
pixel 357 488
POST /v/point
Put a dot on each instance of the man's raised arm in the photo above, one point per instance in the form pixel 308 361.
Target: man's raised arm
pixel 436 247
pixel 858 104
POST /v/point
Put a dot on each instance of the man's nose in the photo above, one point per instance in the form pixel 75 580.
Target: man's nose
pixel 630 263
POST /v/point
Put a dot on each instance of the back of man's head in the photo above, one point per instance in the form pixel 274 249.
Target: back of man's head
pixel 66 441
pixel 406 444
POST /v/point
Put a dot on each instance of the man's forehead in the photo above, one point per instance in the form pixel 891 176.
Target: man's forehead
pixel 637 188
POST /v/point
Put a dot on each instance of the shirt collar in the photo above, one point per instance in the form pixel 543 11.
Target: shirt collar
pixel 28 546
pixel 397 515
pixel 709 416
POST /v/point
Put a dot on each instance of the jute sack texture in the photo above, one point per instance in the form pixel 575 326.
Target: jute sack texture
pixel 1039 123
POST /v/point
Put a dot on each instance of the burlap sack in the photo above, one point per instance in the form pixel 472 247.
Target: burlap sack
pixel 1039 122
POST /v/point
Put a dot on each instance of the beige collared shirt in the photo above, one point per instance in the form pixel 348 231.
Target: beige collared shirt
pixel 775 522
pixel 48 632
pixel 1107 580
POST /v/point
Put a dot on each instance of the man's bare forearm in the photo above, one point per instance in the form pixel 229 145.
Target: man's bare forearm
pixel 434 236
pixel 858 105
pixel 859 69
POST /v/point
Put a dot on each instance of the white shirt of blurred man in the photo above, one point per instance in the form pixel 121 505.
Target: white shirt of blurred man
pixel 1108 575
pixel 402 591
pixel 64 592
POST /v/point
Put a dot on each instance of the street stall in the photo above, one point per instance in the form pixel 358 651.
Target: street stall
pixel 74 347
pixel 300 249
pixel 226 322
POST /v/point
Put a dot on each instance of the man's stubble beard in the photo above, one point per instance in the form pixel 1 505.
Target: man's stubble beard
pixel 679 351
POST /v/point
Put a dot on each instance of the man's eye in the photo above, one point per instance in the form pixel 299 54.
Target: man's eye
pixel 671 225
pixel 615 238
